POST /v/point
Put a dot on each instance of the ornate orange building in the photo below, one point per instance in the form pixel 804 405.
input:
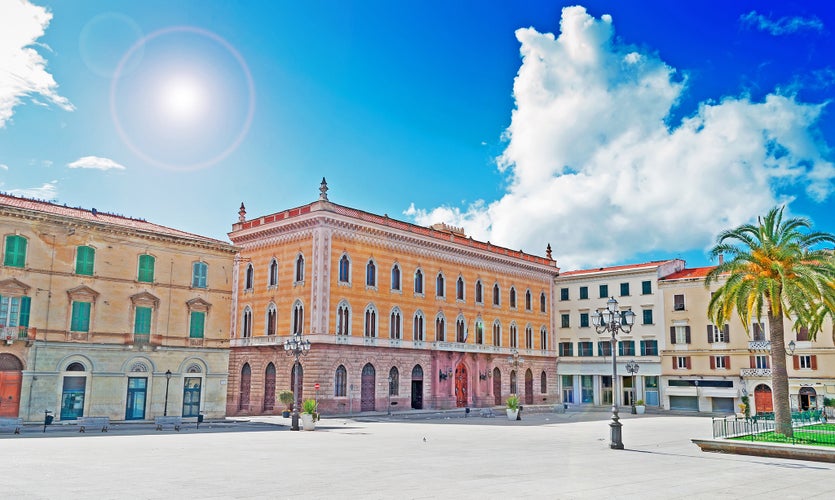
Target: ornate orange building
pixel 399 315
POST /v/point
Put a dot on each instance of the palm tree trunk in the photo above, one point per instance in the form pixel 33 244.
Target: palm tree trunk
pixel 779 375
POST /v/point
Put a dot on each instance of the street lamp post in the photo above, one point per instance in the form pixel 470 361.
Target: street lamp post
pixel 297 347
pixel 388 410
pixel 515 361
pixel 167 382
pixel 611 319
pixel 632 368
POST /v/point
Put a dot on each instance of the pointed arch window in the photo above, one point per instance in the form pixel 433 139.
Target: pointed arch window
pixel 371 274
pixel 528 337
pixel 340 382
pixel 273 277
pixel 370 329
pixel 528 306
pixel 343 319
pixel 543 338
pixel 417 326
pixel 419 282
pixel 512 298
pixel 479 292
pixel 440 288
pixel 514 335
pixel 272 319
pixel 497 295
pixel 344 269
pixel 249 279
pixel 542 301
pixel 460 330
pixel 395 324
pixel 246 323
pixel 395 277
pixel 459 288
pixel 300 268
pixel 298 317
pixel 479 331
pixel 394 381
pixel 513 382
pixel 497 333
pixel 440 328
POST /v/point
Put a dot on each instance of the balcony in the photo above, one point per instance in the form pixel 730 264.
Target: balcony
pixel 257 341
pixel 755 372
pixel 759 345
pixel 10 334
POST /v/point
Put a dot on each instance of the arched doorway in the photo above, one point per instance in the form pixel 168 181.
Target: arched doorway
pixel 807 398
pixel 762 399
pixel 417 387
pixel 529 387
pixel 11 374
pixel 269 388
pixel 246 383
pixel 497 387
pixel 72 394
pixel 367 392
pixel 461 385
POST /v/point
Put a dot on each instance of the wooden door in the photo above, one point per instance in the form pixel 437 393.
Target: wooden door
pixel 762 399
pixel 269 388
pixel 367 392
pixel 528 387
pixel 246 383
pixel 417 387
pixel 461 386
pixel 497 387
pixel 10 393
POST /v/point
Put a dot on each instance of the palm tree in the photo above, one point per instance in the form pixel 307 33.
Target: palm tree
pixel 776 267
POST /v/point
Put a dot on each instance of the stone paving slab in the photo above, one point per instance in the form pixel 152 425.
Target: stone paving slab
pixel 543 456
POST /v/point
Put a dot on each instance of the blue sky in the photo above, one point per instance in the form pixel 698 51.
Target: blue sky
pixel 615 131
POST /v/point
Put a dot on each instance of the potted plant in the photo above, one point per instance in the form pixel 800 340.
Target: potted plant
pixel 309 415
pixel 746 409
pixel 512 407
pixel 286 397
pixel 743 409
pixel 640 407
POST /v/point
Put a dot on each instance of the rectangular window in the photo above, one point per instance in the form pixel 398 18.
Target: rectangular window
pixel 15 255
pixel 584 320
pixel 720 362
pixel 646 287
pixel 584 292
pixel 199 274
pixel 803 334
pixel 14 311
pixel 587 388
pixel 760 362
pixel 626 348
pixel 563 293
pixel 585 349
pixel 146 269
pixel 566 349
pixel 80 321
pixel 565 320
pixel 758 332
pixel 142 321
pixel 604 348
pixel 681 362
pixel 84 259
pixel 604 291
pixel 679 334
pixel 649 348
pixel 678 302
pixel 715 335
pixel 647 317
pixel 624 289
pixel 197 326
pixel 805 362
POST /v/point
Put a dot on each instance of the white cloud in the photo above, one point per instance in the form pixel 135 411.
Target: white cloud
pixel 782 26
pixel 595 170
pixel 46 192
pixel 3 166
pixel 23 69
pixel 96 162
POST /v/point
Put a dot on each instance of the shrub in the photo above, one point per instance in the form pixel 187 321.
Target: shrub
pixel 309 406
pixel 513 402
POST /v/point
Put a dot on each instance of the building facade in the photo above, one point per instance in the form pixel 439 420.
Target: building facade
pixel 104 315
pixel 585 357
pixel 400 316
pixel 709 368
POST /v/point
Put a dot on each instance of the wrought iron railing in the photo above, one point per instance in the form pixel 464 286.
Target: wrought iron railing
pixel 759 345
pixel 808 428
pixel 755 372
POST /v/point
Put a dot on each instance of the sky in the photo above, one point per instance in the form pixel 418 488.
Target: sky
pixel 616 132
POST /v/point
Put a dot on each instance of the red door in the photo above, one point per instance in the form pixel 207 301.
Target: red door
pixel 528 387
pixel 269 388
pixel 367 393
pixel 762 399
pixel 497 387
pixel 461 386
pixel 10 393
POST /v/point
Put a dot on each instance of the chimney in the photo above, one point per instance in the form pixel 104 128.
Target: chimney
pixel 721 259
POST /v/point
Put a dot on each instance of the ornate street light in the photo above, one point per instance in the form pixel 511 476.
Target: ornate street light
pixel 515 361
pixel 167 381
pixel 632 368
pixel 297 347
pixel 613 320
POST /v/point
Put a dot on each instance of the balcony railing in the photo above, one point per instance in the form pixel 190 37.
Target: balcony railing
pixel 755 372
pixel 12 333
pixel 141 338
pixel 759 345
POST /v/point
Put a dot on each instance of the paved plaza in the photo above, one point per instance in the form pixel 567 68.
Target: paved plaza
pixel 546 455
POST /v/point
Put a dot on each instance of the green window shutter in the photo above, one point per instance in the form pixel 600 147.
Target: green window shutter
pixel 25 302
pixel 15 251
pixel 198 321
pixel 84 260
pixel 142 322
pixel 199 274
pixel 80 321
pixel 146 269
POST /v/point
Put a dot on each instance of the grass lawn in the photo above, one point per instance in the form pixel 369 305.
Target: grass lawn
pixel 814 435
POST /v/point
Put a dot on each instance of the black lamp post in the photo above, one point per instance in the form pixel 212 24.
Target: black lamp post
pixel 515 362
pixel 167 382
pixel 297 347
pixel 632 368
pixel 611 319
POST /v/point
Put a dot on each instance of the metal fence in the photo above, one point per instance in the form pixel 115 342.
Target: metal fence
pixel 810 428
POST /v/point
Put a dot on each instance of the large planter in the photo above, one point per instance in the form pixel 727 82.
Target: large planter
pixel 640 409
pixel 285 413
pixel 308 423
pixel 512 414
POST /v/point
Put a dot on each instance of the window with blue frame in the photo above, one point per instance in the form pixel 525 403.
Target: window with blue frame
pixel 80 318
pixel 626 348
pixel 647 316
pixel 84 258
pixel 566 349
pixel 585 349
pixel 649 348
pixel 15 251
pixel 199 275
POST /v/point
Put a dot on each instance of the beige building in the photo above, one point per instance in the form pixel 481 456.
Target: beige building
pixel 585 357
pixel 709 368
pixel 104 315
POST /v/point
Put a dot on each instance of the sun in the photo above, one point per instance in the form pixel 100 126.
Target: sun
pixel 182 98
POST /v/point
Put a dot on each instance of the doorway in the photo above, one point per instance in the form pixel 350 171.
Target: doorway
pixel 269 388
pixel 367 392
pixel 497 387
pixel 461 386
pixel 137 391
pixel 191 396
pixel 808 398
pixel 529 387
pixel 762 399
pixel 246 382
pixel 72 398
pixel 417 387
pixel 11 375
